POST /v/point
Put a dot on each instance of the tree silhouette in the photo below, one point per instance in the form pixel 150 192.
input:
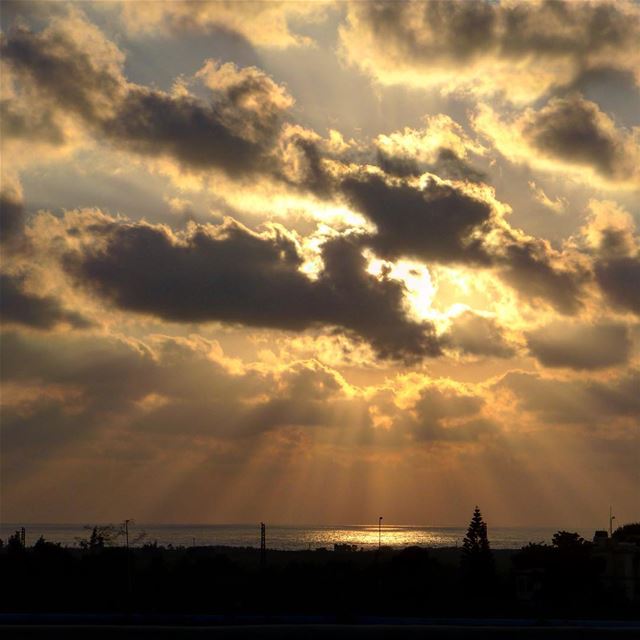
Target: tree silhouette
pixel 14 544
pixel 567 541
pixel 477 559
pixel 101 536
pixel 628 533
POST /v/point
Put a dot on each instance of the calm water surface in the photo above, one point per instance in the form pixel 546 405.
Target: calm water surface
pixel 290 537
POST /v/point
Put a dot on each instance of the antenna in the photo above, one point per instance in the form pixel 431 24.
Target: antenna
pixel 611 519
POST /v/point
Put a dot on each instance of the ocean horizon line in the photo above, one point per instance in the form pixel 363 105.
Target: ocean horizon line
pixel 295 525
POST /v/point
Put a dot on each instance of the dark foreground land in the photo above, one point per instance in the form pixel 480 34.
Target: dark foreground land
pixel 427 631
pixel 154 592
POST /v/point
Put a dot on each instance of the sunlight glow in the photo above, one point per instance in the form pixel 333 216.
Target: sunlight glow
pixel 415 276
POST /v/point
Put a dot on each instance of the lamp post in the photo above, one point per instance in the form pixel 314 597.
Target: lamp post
pixel 379 533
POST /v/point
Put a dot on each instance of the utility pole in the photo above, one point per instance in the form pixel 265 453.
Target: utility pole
pixel 379 533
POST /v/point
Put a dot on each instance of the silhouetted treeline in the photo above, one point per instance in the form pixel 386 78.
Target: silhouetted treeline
pixel 564 579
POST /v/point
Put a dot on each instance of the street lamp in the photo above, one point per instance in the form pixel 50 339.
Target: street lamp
pixel 379 533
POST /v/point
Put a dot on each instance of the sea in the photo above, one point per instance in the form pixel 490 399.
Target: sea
pixel 287 537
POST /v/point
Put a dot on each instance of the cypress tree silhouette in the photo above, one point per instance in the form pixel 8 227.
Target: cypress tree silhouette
pixel 477 559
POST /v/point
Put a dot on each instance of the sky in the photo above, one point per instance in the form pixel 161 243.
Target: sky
pixel 320 262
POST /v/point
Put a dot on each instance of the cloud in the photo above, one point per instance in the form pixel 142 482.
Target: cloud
pixel 568 133
pixel 39 312
pixel 12 214
pixel 182 128
pixel 242 133
pixel 583 402
pixel 537 273
pixel 557 205
pixel 443 413
pixel 609 231
pixel 229 274
pixel 96 379
pixel 157 392
pixel 618 279
pixel 575 131
pixel 446 164
pixel 580 346
pixel 19 122
pixel 253 102
pixel 448 222
pixel 70 62
pixel 517 49
pixel 615 90
pixel 264 24
pixel 611 238
pixel 86 391
pixel 441 147
pixel 473 334
pixel 75 68
pixel 433 220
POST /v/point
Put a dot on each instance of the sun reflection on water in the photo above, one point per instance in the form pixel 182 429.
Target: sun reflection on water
pixel 391 536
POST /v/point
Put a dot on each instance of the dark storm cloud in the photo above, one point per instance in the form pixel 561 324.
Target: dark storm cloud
pixel 527 266
pixel 399 166
pixel 580 346
pixel 155 123
pixel 239 132
pixel 434 222
pixel 429 36
pixel 476 335
pixel 224 134
pixel 575 131
pixel 11 218
pixel 18 306
pixel 441 222
pixel 61 71
pixel 371 307
pixel 619 279
pixel 224 273
pixel 582 402
pixel 230 274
